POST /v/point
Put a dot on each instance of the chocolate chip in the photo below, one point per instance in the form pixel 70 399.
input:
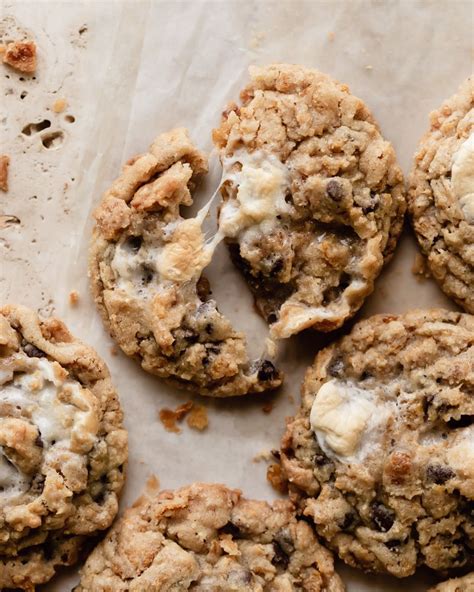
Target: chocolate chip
pixel 147 274
pixel 277 267
pixel 383 517
pixel 32 351
pixel 280 558
pixel 439 474
pixel 393 544
pixel 231 529
pixel 320 459
pixel 336 367
pixel 334 190
pixel 267 371
pixel 463 422
pixel 134 243
pixel 348 520
pixel 209 328
pixel 39 441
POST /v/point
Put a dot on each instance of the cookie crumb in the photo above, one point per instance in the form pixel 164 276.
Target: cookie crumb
pixel 21 55
pixel 419 267
pixel 368 67
pixel 275 478
pixel 4 164
pixel 3 48
pixel 331 36
pixel 264 455
pixel 268 407
pixel 73 298
pixel 291 398
pixel 114 350
pixel 197 419
pixel 59 105
pixel 169 417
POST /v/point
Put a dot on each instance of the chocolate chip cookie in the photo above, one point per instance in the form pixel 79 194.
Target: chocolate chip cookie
pixel 463 584
pixel 313 197
pixel 441 196
pixel 146 264
pixel 62 447
pixel 207 537
pixel 380 456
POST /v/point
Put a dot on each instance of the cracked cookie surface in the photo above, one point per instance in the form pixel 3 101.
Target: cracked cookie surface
pixel 313 197
pixel 441 196
pixel 146 264
pixel 381 454
pixel 208 537
pixel 62 447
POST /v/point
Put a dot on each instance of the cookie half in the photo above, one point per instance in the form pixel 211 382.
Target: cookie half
pixel 441 196
pixel 146 264
pixel 207 537
pixel 381 454
pixel 63 447
pixel 313 197
pixel 463 584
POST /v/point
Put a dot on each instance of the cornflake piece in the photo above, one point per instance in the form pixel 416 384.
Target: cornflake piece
pixel 21 55
pixel 73 298
pixel 197 419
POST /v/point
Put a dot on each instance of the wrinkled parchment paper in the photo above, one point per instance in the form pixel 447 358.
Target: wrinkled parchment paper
pixel 130 70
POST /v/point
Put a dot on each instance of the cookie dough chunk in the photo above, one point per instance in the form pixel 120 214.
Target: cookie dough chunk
pixel 62 447
pixel 146 268
pixel 313 198
pixel 464 584
pixel 441 196
pixel 207 538
pixel 381 454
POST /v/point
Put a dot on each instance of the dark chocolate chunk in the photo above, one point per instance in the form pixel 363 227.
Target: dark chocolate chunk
pixel 383 517
pixel 439 474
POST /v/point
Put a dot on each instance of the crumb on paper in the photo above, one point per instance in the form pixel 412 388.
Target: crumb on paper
pixel 114 350
pixel 331 36
pixel 420 268
pixel 21 55
pixel 169 417
pixel 291 398
pixel 264 455
pixel 4 164
pixel 7 220
pixel 368 67
pixel 197 419
pixel 59 105
pixel 73 298
pixel 268 407
pixel 276 479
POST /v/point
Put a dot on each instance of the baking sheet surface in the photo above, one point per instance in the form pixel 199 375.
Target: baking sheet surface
pixel 130 70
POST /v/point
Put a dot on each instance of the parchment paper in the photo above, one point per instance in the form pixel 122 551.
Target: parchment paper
pixel 130 70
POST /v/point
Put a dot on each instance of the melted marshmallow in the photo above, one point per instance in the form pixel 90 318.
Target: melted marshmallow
pixel 262 183
pixel 348 421
pixel 62 411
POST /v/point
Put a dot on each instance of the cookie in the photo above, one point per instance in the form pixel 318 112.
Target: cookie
pixel 313 197
pixel 464 584
pixel 207 537
pixel 441 196
pixel 380 455
pixel 62 447
pixel 146 264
